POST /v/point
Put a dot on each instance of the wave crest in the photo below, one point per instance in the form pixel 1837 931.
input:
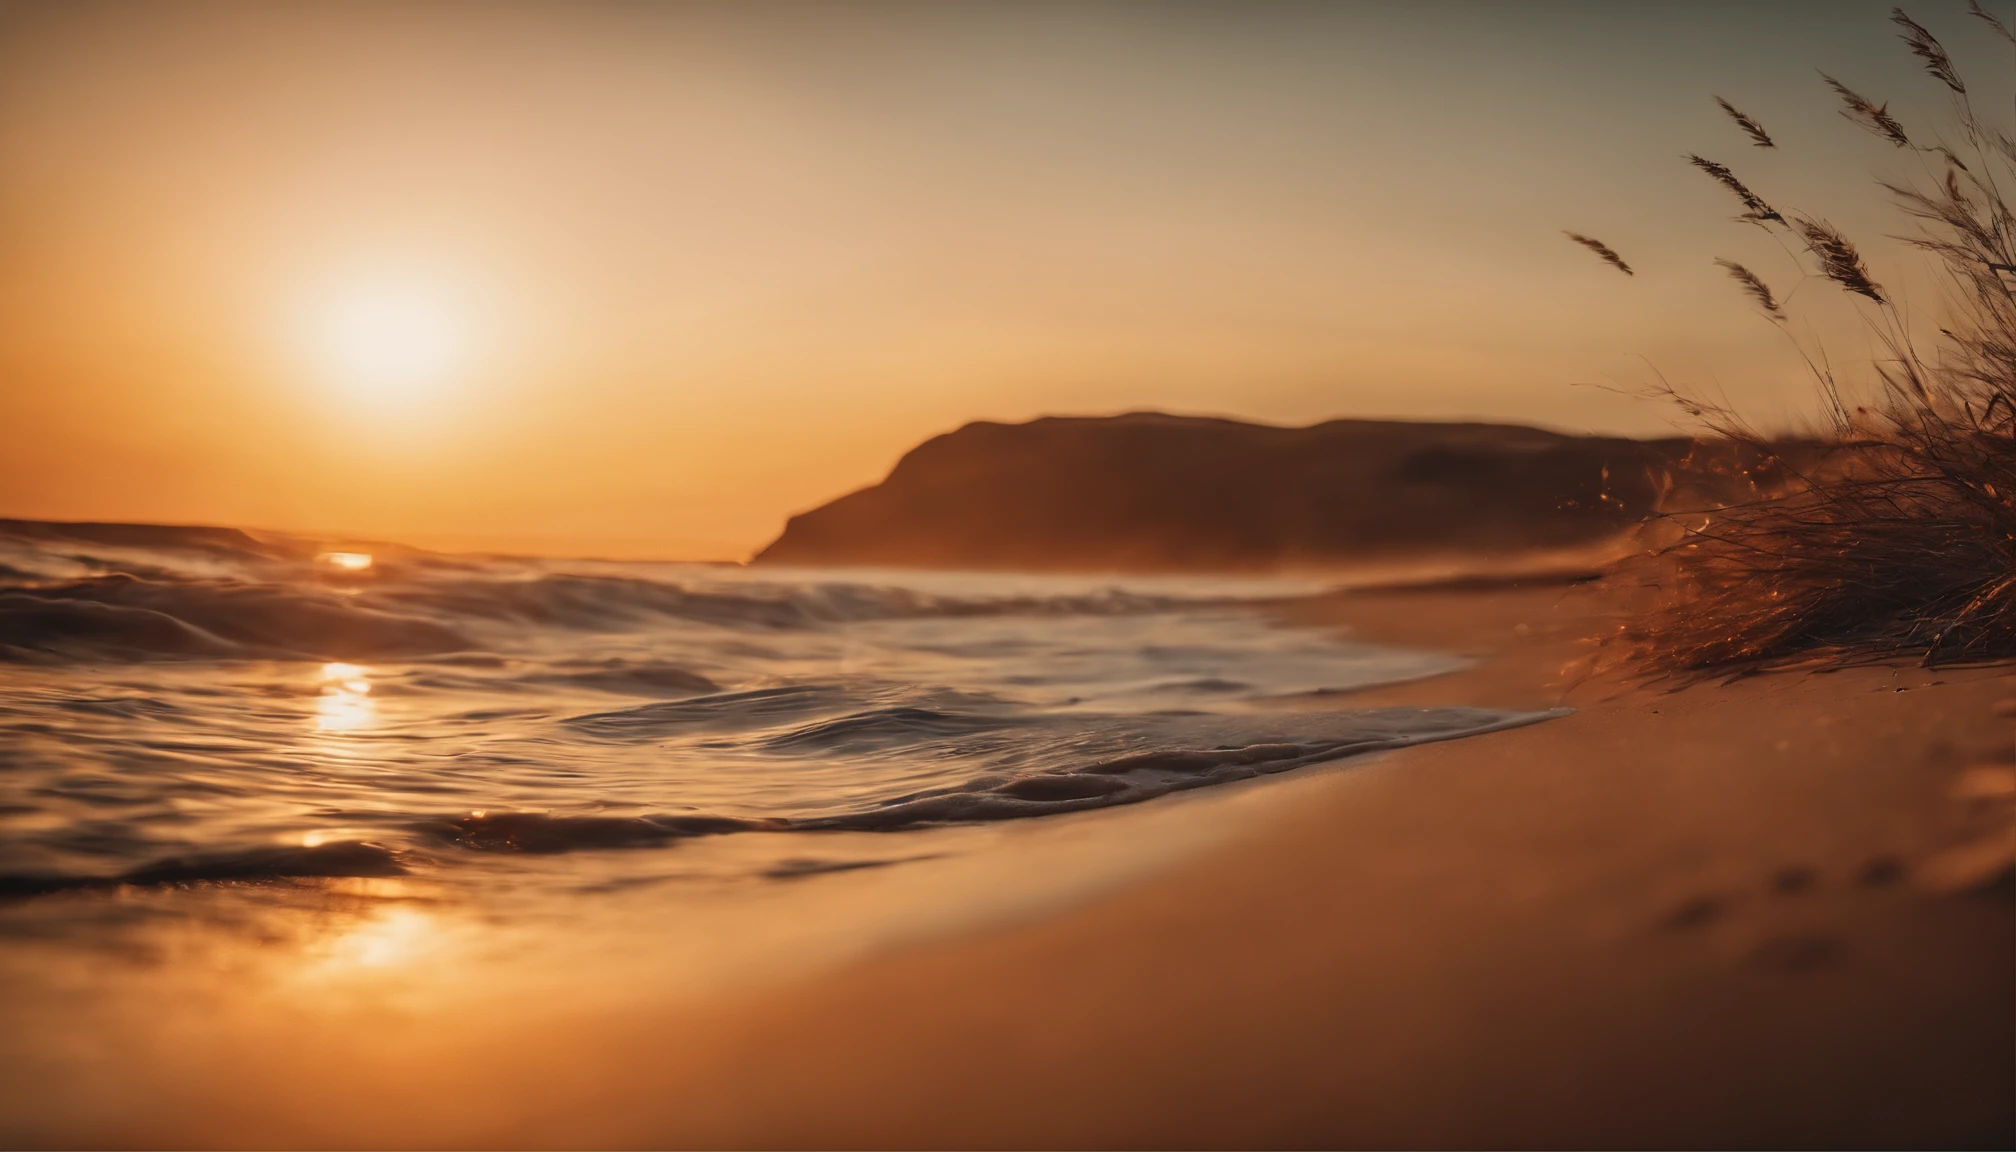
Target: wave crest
pixel 122 615
pixel 253 865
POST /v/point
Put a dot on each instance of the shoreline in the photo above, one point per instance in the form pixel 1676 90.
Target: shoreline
pixel 1687 917
pixel 1675 917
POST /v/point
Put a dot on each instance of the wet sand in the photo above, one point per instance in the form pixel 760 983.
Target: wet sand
pixel 1727 915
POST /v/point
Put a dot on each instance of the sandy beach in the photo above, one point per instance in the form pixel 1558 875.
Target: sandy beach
pixel 1691 918
pixel 1728 915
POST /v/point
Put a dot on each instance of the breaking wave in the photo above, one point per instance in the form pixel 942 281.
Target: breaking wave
pixel 101 592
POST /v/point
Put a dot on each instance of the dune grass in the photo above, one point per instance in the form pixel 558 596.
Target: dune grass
pixel 1898 538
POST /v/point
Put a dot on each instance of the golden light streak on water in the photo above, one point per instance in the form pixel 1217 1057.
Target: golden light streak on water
pixel 395 937
pixel 345 704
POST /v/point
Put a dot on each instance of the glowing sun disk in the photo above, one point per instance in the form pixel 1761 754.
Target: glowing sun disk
pixel 385 342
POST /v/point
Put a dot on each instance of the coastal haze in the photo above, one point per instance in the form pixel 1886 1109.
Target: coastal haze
pixel 633 280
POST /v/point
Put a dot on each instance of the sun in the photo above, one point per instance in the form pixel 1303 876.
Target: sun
pixel 395 341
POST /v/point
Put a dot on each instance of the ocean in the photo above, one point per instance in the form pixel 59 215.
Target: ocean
pixel 184 707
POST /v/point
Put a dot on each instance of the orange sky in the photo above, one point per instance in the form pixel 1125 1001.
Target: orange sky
pixel 624 279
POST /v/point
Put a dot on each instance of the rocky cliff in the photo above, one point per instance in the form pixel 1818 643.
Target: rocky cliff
pixel 1147 491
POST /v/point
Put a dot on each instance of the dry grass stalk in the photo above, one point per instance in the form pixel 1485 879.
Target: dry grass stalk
pixel 1754 207
pixel 1898 537
pixel 1601 249
pixel 1751 128
pixel 1755 286
pixel 1838 259
pixel 2000 28
pixel 1868 114
pixel 1928 49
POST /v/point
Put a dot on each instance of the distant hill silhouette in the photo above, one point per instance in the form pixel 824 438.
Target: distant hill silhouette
pixel 1147 491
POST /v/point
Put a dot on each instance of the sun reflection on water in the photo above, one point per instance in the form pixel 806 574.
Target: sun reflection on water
pixel 345 704
pixel 393 938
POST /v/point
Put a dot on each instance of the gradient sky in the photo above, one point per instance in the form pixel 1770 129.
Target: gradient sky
pixel 662 275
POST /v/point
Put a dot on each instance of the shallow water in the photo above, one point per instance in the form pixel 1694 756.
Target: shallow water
pixel 181 706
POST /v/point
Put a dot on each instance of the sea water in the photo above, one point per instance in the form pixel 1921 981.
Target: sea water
pixel 187 706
